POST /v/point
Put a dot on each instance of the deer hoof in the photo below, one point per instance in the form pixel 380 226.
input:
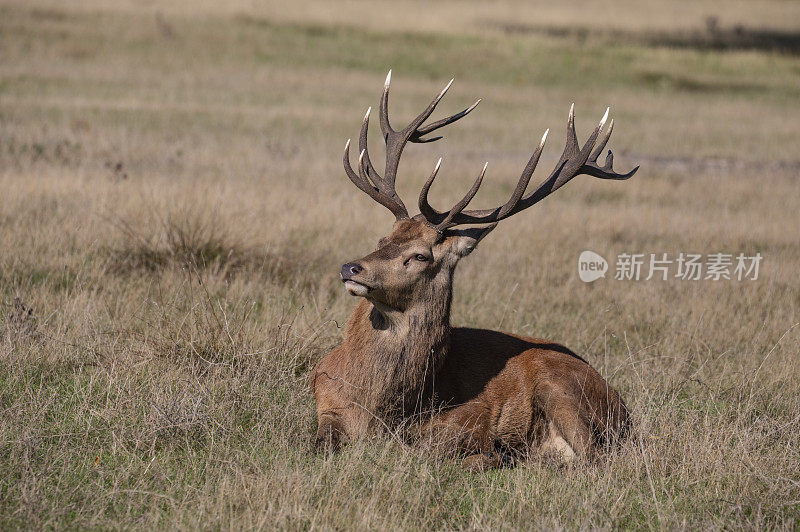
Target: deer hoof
pixel 329 440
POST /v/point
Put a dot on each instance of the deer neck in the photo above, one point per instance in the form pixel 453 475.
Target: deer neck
pixel 398 352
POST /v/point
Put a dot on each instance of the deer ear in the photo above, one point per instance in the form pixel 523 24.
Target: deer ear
pixel 467 239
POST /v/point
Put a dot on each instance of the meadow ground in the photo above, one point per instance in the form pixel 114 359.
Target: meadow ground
pixel 173 214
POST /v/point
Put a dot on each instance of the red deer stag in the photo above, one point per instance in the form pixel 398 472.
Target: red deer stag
pixel 493 393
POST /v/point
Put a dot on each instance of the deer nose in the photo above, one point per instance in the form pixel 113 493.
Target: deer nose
pixel 350 269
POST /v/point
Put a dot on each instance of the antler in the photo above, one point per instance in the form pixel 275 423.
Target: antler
pixel 382 188
pixel 574 161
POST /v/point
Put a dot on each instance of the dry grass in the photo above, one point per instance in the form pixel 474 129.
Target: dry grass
pixel 173 214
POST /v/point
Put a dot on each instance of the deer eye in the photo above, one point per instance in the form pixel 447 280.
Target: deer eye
pixel 420 257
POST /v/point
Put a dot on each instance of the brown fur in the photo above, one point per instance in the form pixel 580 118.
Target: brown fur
pixel 487 390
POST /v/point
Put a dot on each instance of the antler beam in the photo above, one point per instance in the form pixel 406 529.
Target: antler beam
pixel 573 161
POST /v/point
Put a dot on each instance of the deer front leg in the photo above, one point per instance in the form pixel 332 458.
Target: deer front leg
pixel 331 433
pixel 338 427
pixel 339 420
pixel 463 430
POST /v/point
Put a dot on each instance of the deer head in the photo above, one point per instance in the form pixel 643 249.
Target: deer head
pixel 410 264
pixel 418 257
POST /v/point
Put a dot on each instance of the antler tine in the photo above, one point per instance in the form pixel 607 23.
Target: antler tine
pixel 392 203
pixel 458 207
pixel 360 180
pixel 574 157
pixel 373 174
pixel 354 177
pixel 424 130
pixel 606 171
pixel 572 145
pixel 522 185
pixel 411 128
pixel 437 218
pixel 607 135
pixel 428 212
pixel 573 161
pixel 384 108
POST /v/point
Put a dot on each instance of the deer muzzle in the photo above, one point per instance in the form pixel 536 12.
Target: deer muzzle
pixel 349 271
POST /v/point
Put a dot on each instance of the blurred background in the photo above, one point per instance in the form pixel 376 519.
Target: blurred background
pixel 174 213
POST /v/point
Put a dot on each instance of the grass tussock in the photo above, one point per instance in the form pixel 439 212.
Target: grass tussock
pixel 192 243
pixel 182 242
pixel 20 320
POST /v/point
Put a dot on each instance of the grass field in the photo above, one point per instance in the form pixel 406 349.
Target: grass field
pixel 173 216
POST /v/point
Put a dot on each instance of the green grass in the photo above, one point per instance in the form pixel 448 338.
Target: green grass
pixel 173 214
pixel 505 59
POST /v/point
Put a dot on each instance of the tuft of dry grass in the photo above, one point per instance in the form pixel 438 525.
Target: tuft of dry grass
pixel 174 213
pixel 191 242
